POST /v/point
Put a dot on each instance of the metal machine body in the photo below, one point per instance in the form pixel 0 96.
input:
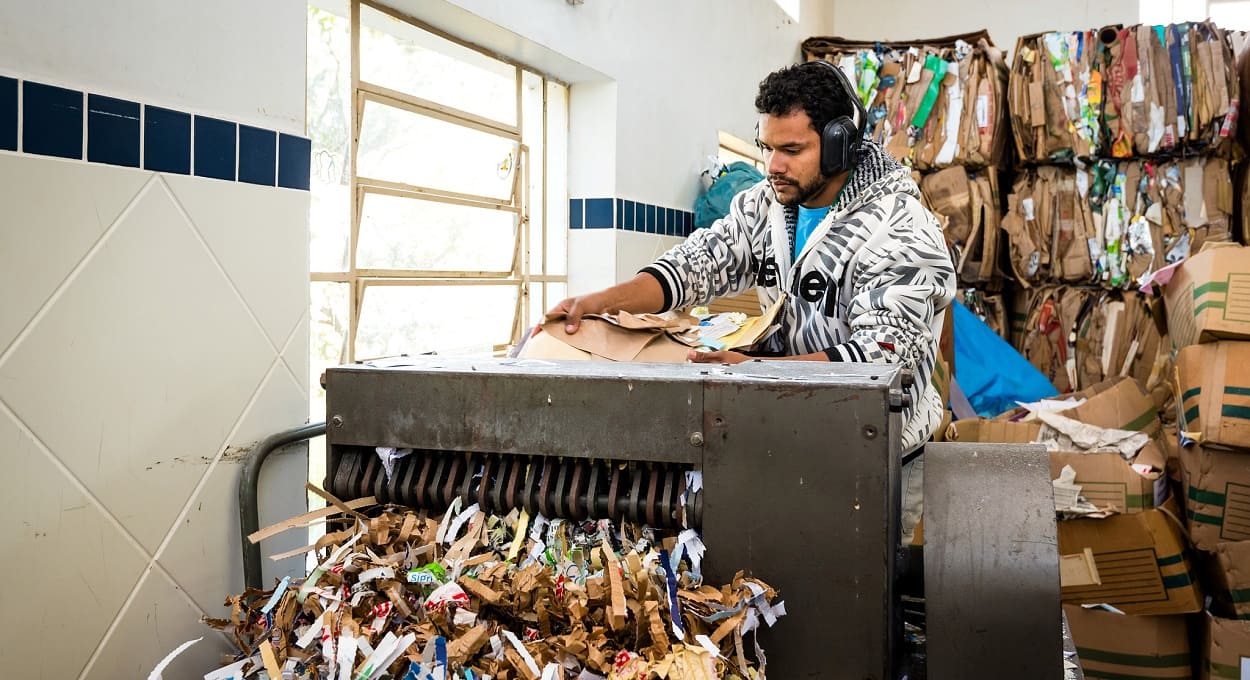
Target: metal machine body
pixel 800 486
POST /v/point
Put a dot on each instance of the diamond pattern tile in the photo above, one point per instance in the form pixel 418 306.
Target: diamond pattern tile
pixel 151 357
pixel 69 555
pixel 158 621
pixel 252 230
pixel 54 212
pixel 204 555
pixel 297 353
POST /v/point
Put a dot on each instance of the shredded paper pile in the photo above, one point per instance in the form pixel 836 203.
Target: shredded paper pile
pixel 405 596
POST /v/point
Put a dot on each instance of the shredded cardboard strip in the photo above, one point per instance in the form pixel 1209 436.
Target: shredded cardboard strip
pixel 405 596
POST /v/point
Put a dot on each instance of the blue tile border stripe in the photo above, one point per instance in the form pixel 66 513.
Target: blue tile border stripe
pixel 52 121
pixel 627 215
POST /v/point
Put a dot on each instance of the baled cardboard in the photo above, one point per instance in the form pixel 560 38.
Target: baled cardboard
pixel 1111 645
pixel 1217 495
pixel 1208 297
pixel 1141 561
pixel 1213 385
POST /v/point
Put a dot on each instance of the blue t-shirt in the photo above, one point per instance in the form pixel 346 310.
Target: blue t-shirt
pixel 809 218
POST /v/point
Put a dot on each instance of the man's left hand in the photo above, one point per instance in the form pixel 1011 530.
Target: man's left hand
pixel 721 357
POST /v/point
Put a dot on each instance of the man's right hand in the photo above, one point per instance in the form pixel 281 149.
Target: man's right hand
pixel 640 294
pixel 574 308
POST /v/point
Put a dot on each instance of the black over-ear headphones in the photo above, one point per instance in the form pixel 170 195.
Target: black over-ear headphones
pixel 840 139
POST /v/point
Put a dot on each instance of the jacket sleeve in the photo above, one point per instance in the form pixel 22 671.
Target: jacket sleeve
pixel 901 285
pixel 718 261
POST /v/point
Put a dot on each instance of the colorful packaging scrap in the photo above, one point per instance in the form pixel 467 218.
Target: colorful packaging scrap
pixel 406 596
pixel 931 103
pixel 1123 92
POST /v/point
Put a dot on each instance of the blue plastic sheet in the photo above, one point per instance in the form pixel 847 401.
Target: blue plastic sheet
pixel 991 372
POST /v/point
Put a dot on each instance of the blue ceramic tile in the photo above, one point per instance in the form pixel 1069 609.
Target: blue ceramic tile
pixel 52 120
pixel 294 162
pixel 619 214
pixel 112 131
pixel 576 220
pixel 258 155
pixel 215 142
pixel 653 219
pixel 8 113
pixel 166 140
pixel 629 216
pixel 670 221
pixel 598 213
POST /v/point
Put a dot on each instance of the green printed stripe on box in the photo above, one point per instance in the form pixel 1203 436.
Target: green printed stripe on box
pixel 1191 393
pixel 1178 581
pixel 1137 501
pixel 1212 304
pixel 1239 412
pixel 1142 421
pixel 1240 595
pixel 1139 660
pixel 1206 497
pixel 1191 416
pixel 1169 561
pixel 1239 391
pixel 1206 519
pixel 1220 670
pixel 1210 287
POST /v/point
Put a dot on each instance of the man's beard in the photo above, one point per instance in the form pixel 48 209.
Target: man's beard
pixel 804 192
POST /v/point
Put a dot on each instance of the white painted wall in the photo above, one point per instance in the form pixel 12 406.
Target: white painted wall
pixel 232 58
pixel 152 328
pixel 1006 21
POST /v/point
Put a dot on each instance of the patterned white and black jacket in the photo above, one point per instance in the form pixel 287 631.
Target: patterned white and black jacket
pixel 871 285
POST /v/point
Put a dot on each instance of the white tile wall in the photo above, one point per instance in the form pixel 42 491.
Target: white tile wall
pixel 592 260
pixel 165 323
pixel 53 213
pixel 74 565
pixel 635 251
pixel 151 628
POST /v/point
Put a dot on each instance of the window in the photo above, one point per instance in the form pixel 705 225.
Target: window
pixel 732 150
pixel 1232 14
pixel 441 229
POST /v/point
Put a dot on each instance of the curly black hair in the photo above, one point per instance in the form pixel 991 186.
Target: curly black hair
pixel 808 86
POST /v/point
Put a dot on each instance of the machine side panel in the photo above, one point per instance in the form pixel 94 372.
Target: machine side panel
pixel 991 563
pixel 797 492
pixel 592 416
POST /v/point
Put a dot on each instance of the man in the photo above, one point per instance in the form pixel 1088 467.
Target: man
pixel 864 264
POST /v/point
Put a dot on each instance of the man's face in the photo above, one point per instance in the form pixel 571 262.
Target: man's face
pixel 792 156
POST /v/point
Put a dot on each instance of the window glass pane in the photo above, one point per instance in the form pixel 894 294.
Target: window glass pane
pixel 328 336
pixel 557 179
pixel 400 56
pixel 727 156
pixel 407 147
pixel 445 319
pixel 546 297
pixel 329 109
pixel 413 234
pixel 532 134
pixel 1233 15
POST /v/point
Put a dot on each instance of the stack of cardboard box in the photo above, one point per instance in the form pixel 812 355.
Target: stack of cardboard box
pixel 1127 574
pixel 1208 304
